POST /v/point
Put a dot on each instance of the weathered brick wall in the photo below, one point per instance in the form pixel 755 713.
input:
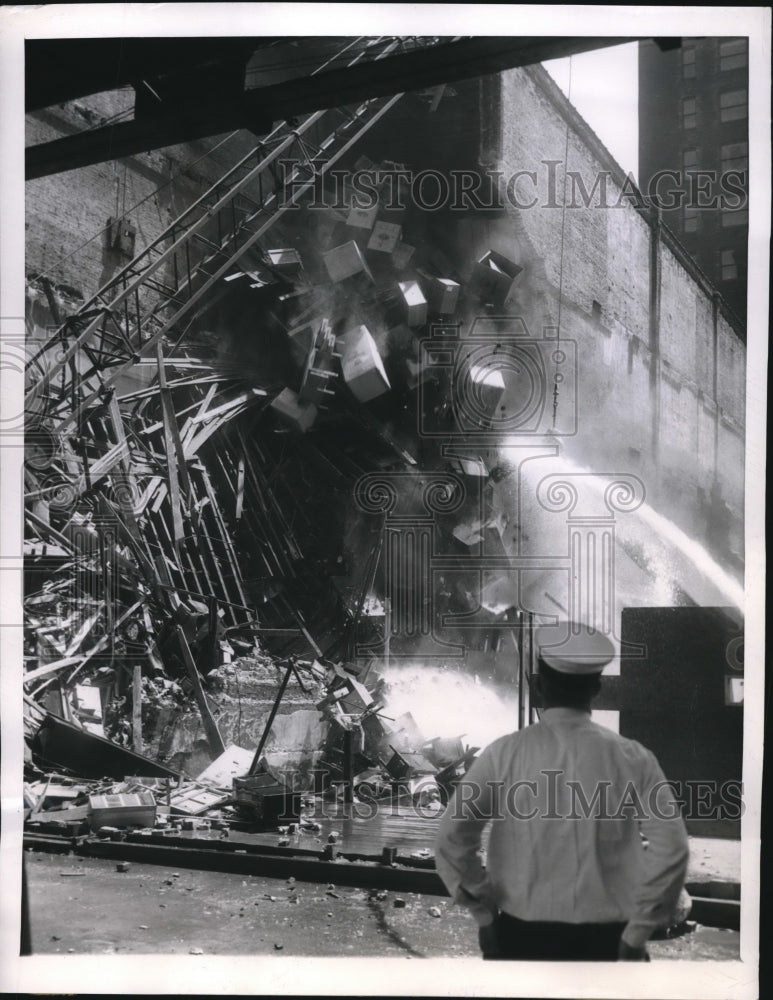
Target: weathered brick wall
pixel 67 212
pixel 599 251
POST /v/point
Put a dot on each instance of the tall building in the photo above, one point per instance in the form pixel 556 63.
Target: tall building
pixel 694 124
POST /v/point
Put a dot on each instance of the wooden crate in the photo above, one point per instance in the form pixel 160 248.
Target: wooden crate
pixel 122 809
pixel 265 798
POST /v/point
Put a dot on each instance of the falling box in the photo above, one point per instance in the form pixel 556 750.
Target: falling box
pixel 443 295
pixel 414 303
pixel 362 218
pixel 299 415
pixel 489 387
pixel 362 366
pixel 122 809
pixel 401 255
pixel 493 277
pixel 385 236
pixel 286 261
pixel 345 261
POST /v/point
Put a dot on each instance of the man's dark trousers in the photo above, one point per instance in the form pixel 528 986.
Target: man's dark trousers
pixel 531 940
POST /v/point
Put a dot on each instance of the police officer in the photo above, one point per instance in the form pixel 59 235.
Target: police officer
pixel 587 852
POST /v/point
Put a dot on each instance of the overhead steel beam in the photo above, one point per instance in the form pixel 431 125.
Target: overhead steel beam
pixel 59 70
pixel 257 109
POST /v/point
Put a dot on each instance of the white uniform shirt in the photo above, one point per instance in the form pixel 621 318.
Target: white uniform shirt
pixel 568 801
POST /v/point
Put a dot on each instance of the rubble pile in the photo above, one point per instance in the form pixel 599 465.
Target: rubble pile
pixel 192 514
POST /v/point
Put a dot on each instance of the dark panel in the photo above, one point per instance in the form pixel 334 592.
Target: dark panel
pixel 673 701
pixel 258 107
pixel 60 744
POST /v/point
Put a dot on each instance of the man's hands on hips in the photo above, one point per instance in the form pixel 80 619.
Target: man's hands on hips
pixel 488 940
pixel 627 953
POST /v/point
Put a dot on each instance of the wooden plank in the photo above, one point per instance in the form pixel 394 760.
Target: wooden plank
pixel 199 405
pixel 84 630
pixel 270 721
pixel 240 489
pixel 137 708
pixel 225 534
pixel 81 660
pixel 177 474
pixel 214 738
pixel 248 396
pixel 200 531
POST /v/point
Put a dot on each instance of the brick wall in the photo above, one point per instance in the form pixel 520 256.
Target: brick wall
pixel 678 425
pixel 67 213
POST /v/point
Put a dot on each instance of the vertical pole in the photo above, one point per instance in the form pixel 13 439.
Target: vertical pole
pixel 348 767
pixel 387 631
pixel 214 739
pixel 530 662
pixel 270 720
pixel 137 708
pixel 654 324
pixel 521 672
pixel 715 376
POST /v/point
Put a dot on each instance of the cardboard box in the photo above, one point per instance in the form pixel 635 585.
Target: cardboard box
pixel 414 304
pixel 361 363
pixel 402 340
pixel 402 254
pixel 385 236
pixel 300 416
pixel 346 261
pixel 287 262
pixel 489 388
pixel 443 295
pixel 362 218
pixel 265 797
pixel 493 277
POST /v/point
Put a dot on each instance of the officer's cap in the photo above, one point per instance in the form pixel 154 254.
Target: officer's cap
pixel 574 648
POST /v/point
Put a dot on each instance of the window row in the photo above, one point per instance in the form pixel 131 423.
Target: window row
pixel 727 265
pixel 732 156
pixel 733 54
pixel 729 219
pixel 733 105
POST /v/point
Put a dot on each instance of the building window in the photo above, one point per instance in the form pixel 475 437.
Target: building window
pixel 728 269
pixel 733 54
pixel 690 159
pixel 689 112
pixel 735 156
pixel 690 219
pixel 739 218
pixel 688 63
pixel 733 104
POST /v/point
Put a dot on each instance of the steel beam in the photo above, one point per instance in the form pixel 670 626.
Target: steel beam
pixel 257 108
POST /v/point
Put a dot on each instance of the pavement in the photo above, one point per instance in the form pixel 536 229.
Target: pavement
pixel 85 906
pixel 712 858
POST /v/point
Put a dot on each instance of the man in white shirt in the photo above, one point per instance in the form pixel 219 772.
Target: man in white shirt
pixel 567 875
